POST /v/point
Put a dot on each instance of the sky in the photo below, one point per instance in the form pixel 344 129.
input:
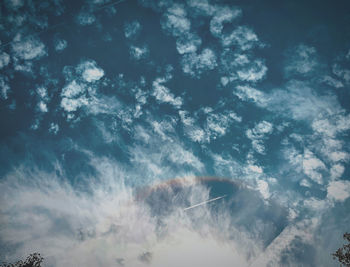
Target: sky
pixel 174 133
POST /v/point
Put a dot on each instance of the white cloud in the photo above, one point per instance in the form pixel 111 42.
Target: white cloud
pixel 201 7
pixel 4 60
pixel 60 44
pixel 175 20
pixel 114 224
pixel 188 43
pixel 28 49
pixel 73 89
pixel 299 101
pixel 337 156
pixel 85 18
pixel 255 168
pixel 253 72
pixel 258 134
pixel 139 52
pixel 247 93
pixel 132 29
pixel 195 64
pixel 263 188
pixel 223 15
pixel 72 104
pixel 163 94
pixel 54 128
pixel 238 66
pixel 332 82
pixel 90 71
pixel 73 96
pixel 301 60
pixel 42 106
pixel 337 171
pixel 243 37
pixel 331 126
pixel 338 190
pixel 4 86
pixel 217 124
pixel 15 4
pixel 341 72
pixel 312 167
pixel 42 92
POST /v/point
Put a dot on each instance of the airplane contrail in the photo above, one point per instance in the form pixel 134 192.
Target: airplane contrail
pixel 204 202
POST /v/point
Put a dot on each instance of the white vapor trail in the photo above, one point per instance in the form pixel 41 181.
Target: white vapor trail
pixel 204 202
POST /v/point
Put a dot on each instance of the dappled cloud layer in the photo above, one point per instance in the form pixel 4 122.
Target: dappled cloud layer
pixel 116 117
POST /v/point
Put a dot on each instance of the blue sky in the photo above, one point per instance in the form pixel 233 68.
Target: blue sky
pixel 101 100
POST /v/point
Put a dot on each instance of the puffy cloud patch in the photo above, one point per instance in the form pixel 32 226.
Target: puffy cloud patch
pixel 28 49
pixel 258 135
pixel 175 20
pixel 201 7
pixel 4 60
pixel 132 29
pixel 332 82
pixel 301 60
pixel 313 167
pixel 72 96
pixel 338 190
pixel 223 15
pixel 4 86
pixel 163 94
pixel 60 44
pixel 218 124
pixel 139 52
pixel 54 128
pixel 195 64
pixel 90 71
pixel 85 18
pixel 341 73
pixel 247 93
pixel 188 43
pixel 263 188
pixel 242 67
pixel 243 38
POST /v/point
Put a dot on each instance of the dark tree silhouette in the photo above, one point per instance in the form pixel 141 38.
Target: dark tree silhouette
pixel 343 254
pixel 33 260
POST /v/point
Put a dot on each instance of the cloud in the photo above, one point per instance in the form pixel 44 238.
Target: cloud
pixel 4 60
pixel 30 48
pixel 163 94
pixel 60 44
pixel 90 71
pixel 243 38
pixel 341 72
pixel 201 7
pixel 109 222
pixel 301 60
pixel 258 134
pixel 195 64
pixel 54 128
pixel 263 188
pixel 132 29
pixel 139 52
pixel 4 86
pixel 85 18
pixel 238 66
pixel 72 96
pixel 42 106
pixel 188 43
pixel 223 15
pixel 338 190
pixel 313 167
pixel 175 20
